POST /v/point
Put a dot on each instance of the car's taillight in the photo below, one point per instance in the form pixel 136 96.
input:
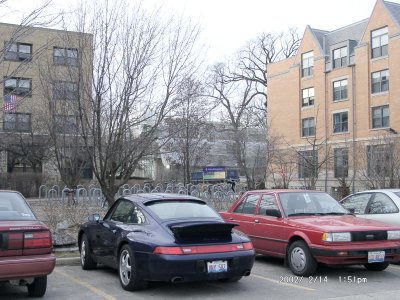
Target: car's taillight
pixel 203 249
pixel 41 239
pixel 15 241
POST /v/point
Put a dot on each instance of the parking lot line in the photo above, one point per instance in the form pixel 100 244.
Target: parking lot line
pixel 86 285
pixel 287 284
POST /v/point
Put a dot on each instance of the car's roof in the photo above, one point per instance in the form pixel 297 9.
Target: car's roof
pixel 380 190
pixel 285 191
pixel 147 197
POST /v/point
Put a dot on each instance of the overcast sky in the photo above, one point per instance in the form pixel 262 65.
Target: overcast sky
pixel 228 24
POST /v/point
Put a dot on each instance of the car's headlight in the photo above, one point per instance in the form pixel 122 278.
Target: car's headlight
pixel 393 235
pixel 336 237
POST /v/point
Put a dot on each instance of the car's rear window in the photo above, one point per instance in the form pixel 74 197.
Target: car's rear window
pixel 182 209
pixel 13 207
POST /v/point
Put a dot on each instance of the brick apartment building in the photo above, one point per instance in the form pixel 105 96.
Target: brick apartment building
pixel 40 83
pixel 334 107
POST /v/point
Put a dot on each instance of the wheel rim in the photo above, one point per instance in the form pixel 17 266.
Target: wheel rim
pixel 298 259
pixel 83 252
pixel 125 267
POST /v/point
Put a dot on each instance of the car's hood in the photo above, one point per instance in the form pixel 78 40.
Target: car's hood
pixel 338 223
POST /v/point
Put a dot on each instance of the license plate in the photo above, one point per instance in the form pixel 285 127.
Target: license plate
pixel 376 256
pixel 217 266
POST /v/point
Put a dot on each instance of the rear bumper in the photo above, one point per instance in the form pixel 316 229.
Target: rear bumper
pixel 350 255
pixel 18 267
pixel 155 267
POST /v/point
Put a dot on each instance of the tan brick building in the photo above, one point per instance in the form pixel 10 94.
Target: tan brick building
pixel 40 83
pixel 335 106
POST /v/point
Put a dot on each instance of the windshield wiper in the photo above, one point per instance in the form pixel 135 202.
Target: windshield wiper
pixel 336 213
pixel 303 214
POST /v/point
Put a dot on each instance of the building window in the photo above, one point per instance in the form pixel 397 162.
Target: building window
pixel 307 64
pixel 379 42
pixel 74 162
pixel 379 160
pixel 25 159
pixel 340 57
pixel 65 56
pixel 341 162
pixel 65 124
pixel 340 122
pixel 17 122
pixel 380 116
pixel 307 127
pixel 64 90
pixel 340 90
pixel 308 164
pixel 380 81
pixel 18 86
pixel 308 97
pixel 17 51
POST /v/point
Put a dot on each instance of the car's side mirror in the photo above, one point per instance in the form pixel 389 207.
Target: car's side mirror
pixel 273 212
pixel 94 218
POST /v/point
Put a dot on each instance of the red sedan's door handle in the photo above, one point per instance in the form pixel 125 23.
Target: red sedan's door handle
pixel 256 221
pixel 231 218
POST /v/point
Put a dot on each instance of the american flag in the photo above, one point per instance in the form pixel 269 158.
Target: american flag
pixel 10 103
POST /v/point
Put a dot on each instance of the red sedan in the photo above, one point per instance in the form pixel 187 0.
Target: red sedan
pixel 309 227
pixel 25 245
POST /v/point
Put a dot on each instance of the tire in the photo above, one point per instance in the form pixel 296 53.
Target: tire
pixel 87 262
pixel 300 259
pixel 377 266
pixel 38 287
pixel 231 279
pixel 129 277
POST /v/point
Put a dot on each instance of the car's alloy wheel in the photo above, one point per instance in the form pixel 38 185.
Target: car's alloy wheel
pixel 87 261
pixel 300 260
pixel 128 276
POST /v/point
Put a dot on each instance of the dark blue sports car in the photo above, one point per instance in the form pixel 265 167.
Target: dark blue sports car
pixel 165 237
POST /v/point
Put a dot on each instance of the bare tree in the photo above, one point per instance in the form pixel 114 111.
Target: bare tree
pixel 188 133
pixel 136 65
pixel 379 162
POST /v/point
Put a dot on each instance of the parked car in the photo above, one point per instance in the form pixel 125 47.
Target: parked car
pixel 381 205
pixel 25 245
pixel 308 227
pixel 164 237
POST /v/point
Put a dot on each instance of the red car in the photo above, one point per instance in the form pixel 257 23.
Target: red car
pixel 25 245
pixel 310 227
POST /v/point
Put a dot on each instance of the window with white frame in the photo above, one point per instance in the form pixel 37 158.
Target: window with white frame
pixel 340 57
pixel 307 97
pixel 307 127
pixel 379 42
pixel 17 51
pixel 340 90
pixel 307 64
pixel 340 122
pixel 341 162
pixel 380 81
pixel 380 116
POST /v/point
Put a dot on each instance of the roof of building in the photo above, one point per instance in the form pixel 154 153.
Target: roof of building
pixel 352 32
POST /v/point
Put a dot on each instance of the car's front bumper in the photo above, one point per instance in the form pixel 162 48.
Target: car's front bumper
pixel 19 267
pixel 159 267
pixel 355 254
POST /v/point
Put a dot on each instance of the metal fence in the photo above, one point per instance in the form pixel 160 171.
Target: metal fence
pixel 220 196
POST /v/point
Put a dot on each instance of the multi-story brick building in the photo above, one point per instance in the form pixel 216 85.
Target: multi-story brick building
pixel 334 107
pixel 41 74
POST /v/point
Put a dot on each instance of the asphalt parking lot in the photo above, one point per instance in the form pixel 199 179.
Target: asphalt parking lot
pixel 269 279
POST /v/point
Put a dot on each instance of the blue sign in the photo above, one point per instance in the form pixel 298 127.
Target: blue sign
pixel 213 169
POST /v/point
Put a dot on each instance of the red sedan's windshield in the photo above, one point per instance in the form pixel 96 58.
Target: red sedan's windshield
pixel 306 203
pixel 14 208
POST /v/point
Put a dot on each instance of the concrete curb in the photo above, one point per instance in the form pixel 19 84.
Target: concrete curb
pixel 68 261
